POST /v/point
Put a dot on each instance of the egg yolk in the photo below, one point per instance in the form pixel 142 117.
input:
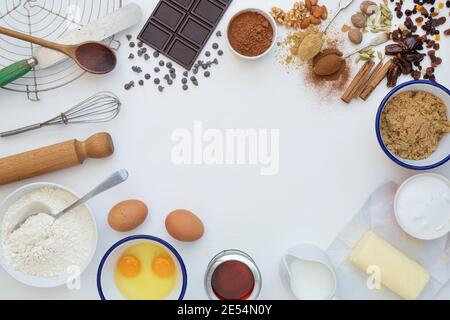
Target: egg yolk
pixel 163 266
pixel 129 266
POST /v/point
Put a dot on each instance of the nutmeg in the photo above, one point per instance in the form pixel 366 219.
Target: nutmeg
pixel 355 36
pixel 368 7
pixel 359 20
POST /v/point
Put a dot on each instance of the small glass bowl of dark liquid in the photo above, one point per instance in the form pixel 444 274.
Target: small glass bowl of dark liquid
pixel 233 275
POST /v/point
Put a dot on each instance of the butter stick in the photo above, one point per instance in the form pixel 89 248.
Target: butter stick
pixel 398 272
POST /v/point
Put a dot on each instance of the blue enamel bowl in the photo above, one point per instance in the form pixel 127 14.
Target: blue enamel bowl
pixel 106 270
pixel 442 153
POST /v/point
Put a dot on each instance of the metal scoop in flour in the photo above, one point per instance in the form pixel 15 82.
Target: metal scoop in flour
pixel 117 178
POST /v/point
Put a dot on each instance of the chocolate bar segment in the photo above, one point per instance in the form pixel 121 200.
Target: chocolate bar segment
pixel 208 10
pixel 156 36
pixel 195 31
pixel 181 28
pixel 182 52
pixel 168 15
pixel 186 4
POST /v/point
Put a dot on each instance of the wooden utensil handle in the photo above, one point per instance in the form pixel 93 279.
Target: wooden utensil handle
pixel 30 38
pixel 55 157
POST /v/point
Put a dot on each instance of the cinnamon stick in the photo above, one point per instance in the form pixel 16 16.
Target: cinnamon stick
pixel 376 79
pixel 368 79
pixel 356 82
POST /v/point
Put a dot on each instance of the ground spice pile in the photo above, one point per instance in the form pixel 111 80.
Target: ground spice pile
pixel 250 34
pixel 413 123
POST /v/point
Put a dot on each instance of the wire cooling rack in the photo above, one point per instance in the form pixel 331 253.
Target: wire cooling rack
pixel 48 19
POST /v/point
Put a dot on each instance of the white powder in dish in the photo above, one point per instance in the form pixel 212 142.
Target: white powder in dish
pixel 43 246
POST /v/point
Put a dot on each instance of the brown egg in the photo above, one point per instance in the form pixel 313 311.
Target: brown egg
pixel 184 225
pixel 127 215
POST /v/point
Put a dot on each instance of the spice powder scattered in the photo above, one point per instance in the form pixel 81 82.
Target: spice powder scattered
pixel 413 123
pixel 250 34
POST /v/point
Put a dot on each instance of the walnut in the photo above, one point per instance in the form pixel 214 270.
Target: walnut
pixel 278 14
pixel 293 18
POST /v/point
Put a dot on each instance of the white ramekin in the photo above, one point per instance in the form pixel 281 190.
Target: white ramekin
pixel 274 27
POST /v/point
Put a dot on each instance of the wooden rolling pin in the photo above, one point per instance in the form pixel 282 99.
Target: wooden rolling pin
pixel 55 157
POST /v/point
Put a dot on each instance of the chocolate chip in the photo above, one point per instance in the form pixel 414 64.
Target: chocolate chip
pixel 156 69
pixel 169 65
pixel 218 33
pixel 195 70
pixel 207 53
pixel 166 77
pixel 160 88
pixel 185 87
pixel 141 82
pixel 131 56
pixel 215 46
pixel 185 74
pixel 207 74
pixel 156 81
pixel 220 53
pixel 172 70
pixel 184 80
pixel 147 76
pixel 170 82
pixel 127 86
pixel 161 63
pixel 156 54
pixel 136 69
pixel 140 44
pixel 173 75
pixel 129 37
pixel 132 44
pixel 146 56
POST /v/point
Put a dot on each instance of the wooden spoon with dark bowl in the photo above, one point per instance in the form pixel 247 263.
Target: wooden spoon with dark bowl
pixel 93 57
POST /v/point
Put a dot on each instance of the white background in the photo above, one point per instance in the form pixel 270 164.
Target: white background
pixel 330 160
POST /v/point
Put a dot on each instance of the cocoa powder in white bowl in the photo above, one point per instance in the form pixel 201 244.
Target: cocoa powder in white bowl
pixel 251 33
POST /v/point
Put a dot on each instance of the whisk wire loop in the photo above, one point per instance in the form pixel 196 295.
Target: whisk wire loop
pixel 101 107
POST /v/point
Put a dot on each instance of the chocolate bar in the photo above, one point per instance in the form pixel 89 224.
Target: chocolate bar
pixel 180 28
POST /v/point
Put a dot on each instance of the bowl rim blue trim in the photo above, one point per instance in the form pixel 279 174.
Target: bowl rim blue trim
pixel 378 125
pixel 144 237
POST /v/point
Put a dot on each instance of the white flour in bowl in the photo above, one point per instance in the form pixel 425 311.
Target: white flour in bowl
pixel 43 246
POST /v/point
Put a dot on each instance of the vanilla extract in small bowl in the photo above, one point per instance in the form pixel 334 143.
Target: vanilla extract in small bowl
pixel 233 275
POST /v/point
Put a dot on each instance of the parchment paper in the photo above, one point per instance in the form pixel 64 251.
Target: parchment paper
pixel 377 215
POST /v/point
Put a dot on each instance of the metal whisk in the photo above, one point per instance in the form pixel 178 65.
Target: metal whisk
pixel 101 107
